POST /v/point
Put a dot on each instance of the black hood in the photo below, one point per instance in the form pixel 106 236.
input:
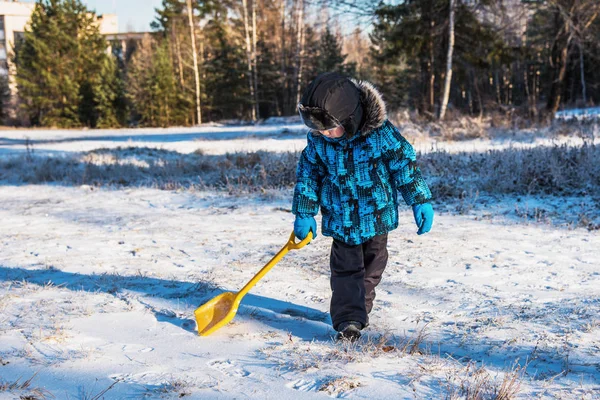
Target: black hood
pixel 332 100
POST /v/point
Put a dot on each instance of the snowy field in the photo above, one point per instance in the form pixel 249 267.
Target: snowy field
pixel 215 139
pixel 98 286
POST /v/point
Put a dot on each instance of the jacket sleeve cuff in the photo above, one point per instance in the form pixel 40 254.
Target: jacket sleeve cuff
pixel 416 191
pixel 304 205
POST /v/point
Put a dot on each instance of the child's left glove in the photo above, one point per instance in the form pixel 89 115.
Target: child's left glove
pixel 423 217
pixel 304 225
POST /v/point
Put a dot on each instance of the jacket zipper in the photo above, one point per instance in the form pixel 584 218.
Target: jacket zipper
pixel 387 199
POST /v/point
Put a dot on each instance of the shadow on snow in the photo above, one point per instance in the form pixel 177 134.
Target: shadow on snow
pixel 278 314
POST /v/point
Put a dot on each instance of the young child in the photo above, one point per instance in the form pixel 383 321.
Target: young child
pixel 353 167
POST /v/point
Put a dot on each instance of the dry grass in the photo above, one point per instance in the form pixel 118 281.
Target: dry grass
pixel 84 395
pixel 511 384
pixel 494 125
pixel 148 167
pixel 292 356
pixel 557 170
pixel 388 344
pixel 338 386
pixel 27 392
pixel 473 382
pixel 470 381
pixel 176 387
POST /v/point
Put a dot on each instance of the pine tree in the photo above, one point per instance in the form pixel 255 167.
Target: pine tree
pixel 4 98
pixel 410 50
pixel 172 22
pixel 152 86
pixel 312 57
pixel 268 84
pixel 106 92
pixel 60 67
pixel 330 53
pixel 227 90
pixel 399 81
pixel 358 56
pixel 121 102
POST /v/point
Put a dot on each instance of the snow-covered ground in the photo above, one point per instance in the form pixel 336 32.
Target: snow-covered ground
pixel 578 114
pixel 215 139
pixel 98 288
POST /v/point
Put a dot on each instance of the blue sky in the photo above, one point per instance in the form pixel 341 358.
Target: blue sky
pixel 134 15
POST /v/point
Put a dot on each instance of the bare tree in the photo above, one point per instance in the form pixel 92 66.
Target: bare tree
pixel 572 19
pixel 282 10
pixel 249 56
pixel 283 77
pixel 254 63
pixel 582 74
pixel 299 49
pixel 431 61
pixel 178 52
pixel 195 58
pixel 357 50
pixel 448 79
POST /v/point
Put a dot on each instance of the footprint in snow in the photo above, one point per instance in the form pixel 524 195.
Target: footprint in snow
pixel 134 348
pixel 147 350
pixel 302 385
pixel 189 325
pixel 228 367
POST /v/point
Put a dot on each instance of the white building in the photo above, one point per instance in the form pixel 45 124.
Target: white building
pixel 14 17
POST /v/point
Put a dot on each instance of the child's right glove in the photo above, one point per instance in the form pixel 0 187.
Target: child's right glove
pixel 423 217
pixel 304 225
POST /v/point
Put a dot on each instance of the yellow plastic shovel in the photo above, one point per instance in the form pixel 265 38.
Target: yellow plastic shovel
pixel 219 311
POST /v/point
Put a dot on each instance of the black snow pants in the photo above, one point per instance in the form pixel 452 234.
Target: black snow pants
pixel 355 271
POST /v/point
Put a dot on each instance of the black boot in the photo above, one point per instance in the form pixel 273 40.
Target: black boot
pixel 349 330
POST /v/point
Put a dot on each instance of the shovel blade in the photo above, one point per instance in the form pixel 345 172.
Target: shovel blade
pixel 216 313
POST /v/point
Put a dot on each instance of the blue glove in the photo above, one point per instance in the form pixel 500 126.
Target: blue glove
pixel 304 225
pixel 423 217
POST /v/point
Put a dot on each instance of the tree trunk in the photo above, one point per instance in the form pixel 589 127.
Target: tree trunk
pixel 176 53
pixel 179 60
pixel 531 101
pixel 201 54
pixel 557 85
pixel 536 89
pixel 431 71
pixel 299 49
pixel 249 57
pixel 282 108
pixel 448 79
pixel 195 57
pixel 497 83
pixel 254 63
pixel 479 99
pixel 582 73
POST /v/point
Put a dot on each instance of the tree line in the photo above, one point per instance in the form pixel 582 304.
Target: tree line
pixel 209 60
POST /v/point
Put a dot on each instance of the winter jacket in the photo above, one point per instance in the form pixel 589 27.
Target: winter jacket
pixel 355 179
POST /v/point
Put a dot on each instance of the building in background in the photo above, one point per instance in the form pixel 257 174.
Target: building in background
pixel 14 17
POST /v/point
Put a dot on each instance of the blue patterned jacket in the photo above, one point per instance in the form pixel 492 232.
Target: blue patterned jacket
pixel 355 181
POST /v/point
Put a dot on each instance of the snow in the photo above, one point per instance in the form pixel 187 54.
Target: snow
pixel 216 139
pixel 209 138
pixel 578 114
pixel 98 288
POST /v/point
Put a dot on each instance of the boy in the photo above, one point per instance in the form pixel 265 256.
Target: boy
pixel 352 168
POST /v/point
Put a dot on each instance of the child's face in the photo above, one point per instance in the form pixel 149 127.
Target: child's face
pixel 334 133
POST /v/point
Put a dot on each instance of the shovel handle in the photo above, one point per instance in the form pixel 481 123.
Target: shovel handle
pixel 292 245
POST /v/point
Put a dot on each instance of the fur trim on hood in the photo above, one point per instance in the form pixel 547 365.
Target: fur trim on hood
pixel 374 110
